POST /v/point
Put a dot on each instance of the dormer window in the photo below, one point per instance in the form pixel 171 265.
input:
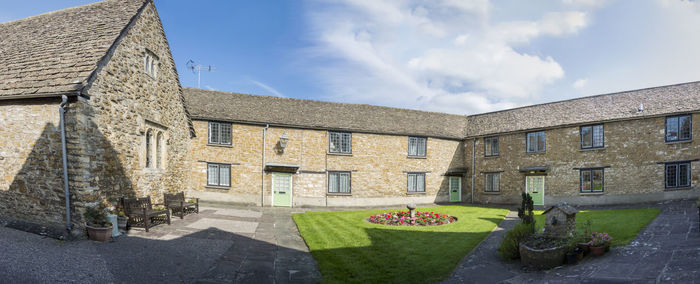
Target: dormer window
pixel 151 64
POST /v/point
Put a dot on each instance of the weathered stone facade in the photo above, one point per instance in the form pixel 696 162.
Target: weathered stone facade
pixel 632 158
pixel 106 126
pixel 378 166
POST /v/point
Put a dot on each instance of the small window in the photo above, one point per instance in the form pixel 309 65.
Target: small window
pixel 159 150
pixel 416 146
pixel 149 137
pixel 340 142
pixel 339 182
pixel 535 142
pixel 592 137
pixel 219 133
pixel 416 182
pixel 491 146
pixel 679 128
pixel 218 174
pixel 492 182
pixel 677 175
pixel 592 180
pixel 150 61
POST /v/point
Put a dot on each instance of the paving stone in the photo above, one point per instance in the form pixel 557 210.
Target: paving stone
pixel 225 225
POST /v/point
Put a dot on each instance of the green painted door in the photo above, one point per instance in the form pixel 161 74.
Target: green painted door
pixel 534 185
pixel 455 189
pixel 282 189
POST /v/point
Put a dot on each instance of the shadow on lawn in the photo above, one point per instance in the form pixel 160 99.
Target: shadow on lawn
pixel 399 256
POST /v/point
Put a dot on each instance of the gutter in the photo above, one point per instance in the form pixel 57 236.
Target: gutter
pixel 262 169
pixel 64 156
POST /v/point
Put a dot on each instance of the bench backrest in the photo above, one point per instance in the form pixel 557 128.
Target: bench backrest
pixel 174 198
pixel 135 205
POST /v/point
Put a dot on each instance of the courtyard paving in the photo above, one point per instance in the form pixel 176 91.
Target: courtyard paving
pixel 666 251
pixel 219 245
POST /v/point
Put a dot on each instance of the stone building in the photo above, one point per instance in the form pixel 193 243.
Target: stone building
pixel 126 127
pixel 129 133
pixel 334 154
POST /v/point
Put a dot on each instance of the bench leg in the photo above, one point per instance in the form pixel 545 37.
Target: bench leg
pixel 146 222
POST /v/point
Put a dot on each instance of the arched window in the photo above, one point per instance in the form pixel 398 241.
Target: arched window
pixel 159 150
pixel 149 136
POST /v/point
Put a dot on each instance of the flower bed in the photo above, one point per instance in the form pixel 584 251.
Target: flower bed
pixel 403 218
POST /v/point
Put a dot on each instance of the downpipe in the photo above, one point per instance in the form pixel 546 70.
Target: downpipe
pixel 64 156
pixel 473 166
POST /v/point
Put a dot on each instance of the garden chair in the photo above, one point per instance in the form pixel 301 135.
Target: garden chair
pixel 177 203
pixel 141 213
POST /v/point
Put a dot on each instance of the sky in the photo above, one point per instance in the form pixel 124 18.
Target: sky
pixel 454 56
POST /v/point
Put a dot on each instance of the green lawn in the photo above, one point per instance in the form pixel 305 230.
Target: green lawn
pixel 350 249
pixel 623 225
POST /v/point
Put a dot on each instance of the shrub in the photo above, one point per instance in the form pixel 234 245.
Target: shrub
pixel 525 211
pixel 510 245
pixel 96 217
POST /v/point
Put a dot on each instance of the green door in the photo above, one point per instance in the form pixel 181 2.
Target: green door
pixel 455 189
pixel 282 189
pixel 534 185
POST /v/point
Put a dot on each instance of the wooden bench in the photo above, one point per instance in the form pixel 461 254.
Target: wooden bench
pixel 141 214
pixel 177 203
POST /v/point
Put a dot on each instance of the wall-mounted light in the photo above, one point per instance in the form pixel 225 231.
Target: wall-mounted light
pixel 282 143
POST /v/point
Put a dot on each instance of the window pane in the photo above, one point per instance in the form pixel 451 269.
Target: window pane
pixel 496 182
pixel 420 182
pixel 346 143
pixel 421 146
pixel 585 181
pixel 684 175
pixel 412 146
pixel 224 175
pixel 332 182
pixel 411 182
pixel 531 142
pixel 225 130
pixel 684 124
pixel 540 142
pixel 494 146
pixel 672 128
pixel 213 133
pixel 671 175
pixel 488 147
pixel 586 137
pixel 597 180
pixel 149 134
pixel 598 136
pixel 213 174
pixel 344 182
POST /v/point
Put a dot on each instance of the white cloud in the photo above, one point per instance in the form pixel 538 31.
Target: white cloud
pixel 580 83
pixel 269 89
pixel 439 55
pixel 586 3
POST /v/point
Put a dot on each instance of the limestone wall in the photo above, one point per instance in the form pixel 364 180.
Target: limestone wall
pixel 632 153
pixel 378 166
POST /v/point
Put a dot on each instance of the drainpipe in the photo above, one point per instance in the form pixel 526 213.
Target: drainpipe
pixel 473 167
pixel 64 156
pixel 262 175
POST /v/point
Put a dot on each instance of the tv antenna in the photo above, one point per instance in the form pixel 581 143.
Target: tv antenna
pixel 197 68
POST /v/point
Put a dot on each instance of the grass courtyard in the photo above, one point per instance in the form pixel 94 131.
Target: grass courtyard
pixel 350 249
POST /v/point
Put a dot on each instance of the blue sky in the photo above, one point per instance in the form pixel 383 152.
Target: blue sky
pixel 451 56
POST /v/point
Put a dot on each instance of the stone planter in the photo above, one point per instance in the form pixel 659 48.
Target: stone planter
pixel 100 234
pixel 542 258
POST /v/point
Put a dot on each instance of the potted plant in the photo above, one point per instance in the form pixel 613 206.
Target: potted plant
pixel 121 218
pixel 98 228
pixel 598 243
pixel 582 236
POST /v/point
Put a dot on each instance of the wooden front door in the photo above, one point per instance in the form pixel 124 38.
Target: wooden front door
pixel 455 189
pixel 282 189
pixel 534 185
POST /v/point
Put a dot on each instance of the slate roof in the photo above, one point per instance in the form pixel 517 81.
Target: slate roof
pixel 234 107
pixel 616 106
pixel 564 207
pixel 55 53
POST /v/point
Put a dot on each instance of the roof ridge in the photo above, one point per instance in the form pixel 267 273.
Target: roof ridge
pixel 58 11
pixel 585 97
pixel 329 102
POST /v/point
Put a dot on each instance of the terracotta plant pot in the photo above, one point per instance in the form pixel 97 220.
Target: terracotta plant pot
pixel 100 234
pixel 598 251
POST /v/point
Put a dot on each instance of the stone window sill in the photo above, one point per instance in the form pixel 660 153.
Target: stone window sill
pixel 679 188
pixel 220 145
pixel 535 153
pixel 217 187
pixel 491 157
pixel 339 154
pixel 591 193
pixel 338 194
pixel 679 142
pixel 415 193
pixel 491 192
pixel 417 157
pixel 592 149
